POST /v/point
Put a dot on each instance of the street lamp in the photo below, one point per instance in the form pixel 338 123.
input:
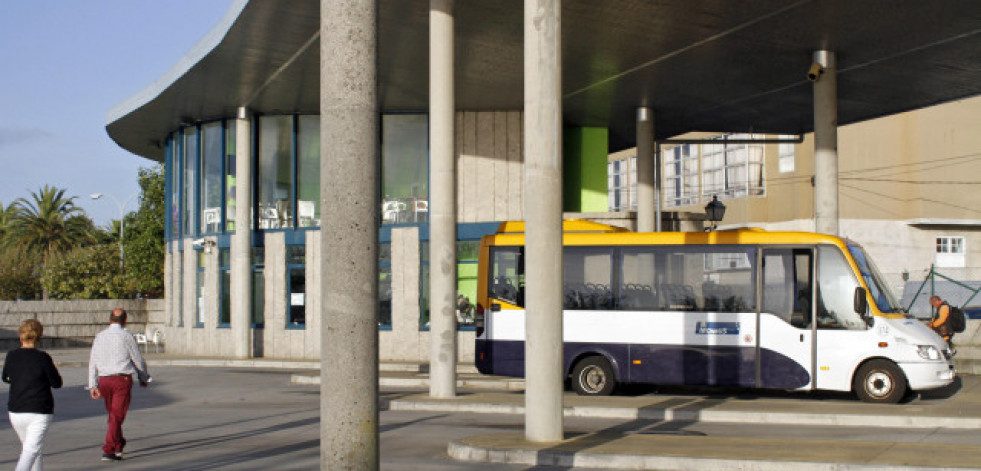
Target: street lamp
pixel 714 211
pixel 122 219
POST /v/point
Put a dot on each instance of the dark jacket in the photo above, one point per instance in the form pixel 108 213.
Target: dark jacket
pixel 31 374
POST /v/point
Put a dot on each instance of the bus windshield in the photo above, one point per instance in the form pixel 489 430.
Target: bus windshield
pixel 884 299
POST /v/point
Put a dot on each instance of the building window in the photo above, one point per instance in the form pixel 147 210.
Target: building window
pixel 275 172
pixel 296 316
pixel 467 252
pixel 199 292
pixel 225 288
pixel 180 289
pixel 308 172
pixel 385 285
pixel 230 175
pixel 405 168
pixel 424 284
pixel 211 177
pixel 950 252
pixel 189 165
pixel 786 150
pixel 732 169
pixel 622 179
pixel 172 215
pixel 258 287
pixel 680 176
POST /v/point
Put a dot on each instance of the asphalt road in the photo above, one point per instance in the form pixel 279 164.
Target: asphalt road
pixel 248 419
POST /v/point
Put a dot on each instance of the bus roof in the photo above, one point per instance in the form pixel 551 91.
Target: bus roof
pixel 568 226
pixel 623 237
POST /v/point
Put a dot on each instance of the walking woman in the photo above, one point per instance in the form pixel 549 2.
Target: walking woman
pixel 31 374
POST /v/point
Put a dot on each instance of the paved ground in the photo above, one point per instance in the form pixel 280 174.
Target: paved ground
pixel 255 417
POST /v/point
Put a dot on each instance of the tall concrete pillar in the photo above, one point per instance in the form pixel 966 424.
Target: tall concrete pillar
pixel 442 204
pixel 349 203
pixel 241 243
pixel 543 220
pixel 645 171
pixel 826 145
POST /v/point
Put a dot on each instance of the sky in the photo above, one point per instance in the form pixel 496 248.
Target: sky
pixel 63 65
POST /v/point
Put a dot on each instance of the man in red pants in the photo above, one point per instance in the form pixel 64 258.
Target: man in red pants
pixel 115 358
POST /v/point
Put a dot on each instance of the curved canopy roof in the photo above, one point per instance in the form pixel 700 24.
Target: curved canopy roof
pixel 714 65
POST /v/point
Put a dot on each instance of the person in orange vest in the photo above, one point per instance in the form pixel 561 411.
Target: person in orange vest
pixel 939 323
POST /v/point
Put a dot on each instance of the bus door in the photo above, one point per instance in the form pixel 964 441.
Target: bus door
pixel 785 333
pixel 843 336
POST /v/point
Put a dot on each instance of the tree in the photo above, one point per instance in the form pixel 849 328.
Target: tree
pixel 86 273
pixel 49 224
pixel 7 215
pixel 145 235
pixel 19 275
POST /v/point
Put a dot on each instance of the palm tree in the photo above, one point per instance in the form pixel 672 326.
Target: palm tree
pixel 49 224
pixel 7 215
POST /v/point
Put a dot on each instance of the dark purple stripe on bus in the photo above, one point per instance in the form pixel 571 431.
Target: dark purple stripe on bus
pixel 659 364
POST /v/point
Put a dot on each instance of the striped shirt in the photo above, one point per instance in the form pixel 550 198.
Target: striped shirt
pixel 115 352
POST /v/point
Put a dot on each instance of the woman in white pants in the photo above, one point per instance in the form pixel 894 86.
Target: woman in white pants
pixel 31 374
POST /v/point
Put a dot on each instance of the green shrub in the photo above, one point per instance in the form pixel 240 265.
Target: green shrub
pixel 86 273
pixel 19 275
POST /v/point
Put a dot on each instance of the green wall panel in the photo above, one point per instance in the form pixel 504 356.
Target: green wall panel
pixel 584 177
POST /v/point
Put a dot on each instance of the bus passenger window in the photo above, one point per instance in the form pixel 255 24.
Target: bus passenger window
pixel 507 280
pixel 787 285
pixel 637 280
pixel 835 292
pixel 587 274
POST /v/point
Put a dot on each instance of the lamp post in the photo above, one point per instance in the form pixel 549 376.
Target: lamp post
pixel 714 211
pixel 122 219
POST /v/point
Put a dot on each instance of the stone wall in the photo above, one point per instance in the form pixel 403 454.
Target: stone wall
pixel 73 323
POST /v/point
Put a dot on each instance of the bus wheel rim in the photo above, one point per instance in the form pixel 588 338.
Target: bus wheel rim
pixel 878 384
pixel 592 379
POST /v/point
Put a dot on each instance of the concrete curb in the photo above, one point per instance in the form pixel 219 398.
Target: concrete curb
pixel 662 414
pixel 547 457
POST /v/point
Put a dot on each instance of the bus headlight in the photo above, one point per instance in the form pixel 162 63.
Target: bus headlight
pixel 928 352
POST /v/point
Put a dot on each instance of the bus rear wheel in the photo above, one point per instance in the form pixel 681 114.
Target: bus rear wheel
pixel 880 381
pixel 593 376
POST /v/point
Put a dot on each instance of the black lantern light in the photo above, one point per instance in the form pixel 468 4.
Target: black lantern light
pixel 714 211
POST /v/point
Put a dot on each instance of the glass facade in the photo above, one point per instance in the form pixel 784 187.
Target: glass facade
pixel 308 172
pixel 188 188
pixel 200 297
pixel 385 285
pixel 275 171
pixel 296 316
pixel 201 184
pixel 224 289
pixel 405 169
pixel 230 175
pixel 212 162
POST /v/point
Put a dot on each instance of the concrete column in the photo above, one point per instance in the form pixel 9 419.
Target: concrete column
pixel 543 220
pixel 349 203
pixel 645 170
pixel 826 145
pixel 241 250
pixel 442 203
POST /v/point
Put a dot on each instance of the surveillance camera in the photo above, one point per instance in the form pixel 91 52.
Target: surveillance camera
pixel 815 71
pixel 197 242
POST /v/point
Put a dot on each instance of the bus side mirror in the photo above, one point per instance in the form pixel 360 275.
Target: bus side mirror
pixel 862 304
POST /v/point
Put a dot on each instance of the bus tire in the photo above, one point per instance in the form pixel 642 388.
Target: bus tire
pixel 593 376
pixel 880 381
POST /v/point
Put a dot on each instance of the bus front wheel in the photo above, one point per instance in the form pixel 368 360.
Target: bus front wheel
pixel 593 376
pixel 880 381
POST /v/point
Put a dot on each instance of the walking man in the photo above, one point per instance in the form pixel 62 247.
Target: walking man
pixel 114 360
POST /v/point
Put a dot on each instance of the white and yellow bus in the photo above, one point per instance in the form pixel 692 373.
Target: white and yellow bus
pixel 746 308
